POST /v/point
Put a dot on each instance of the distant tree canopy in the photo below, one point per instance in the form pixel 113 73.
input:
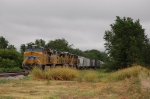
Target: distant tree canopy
pixel 4 44
pixel 126 43
pixel 40 42
pixel 59 44
pixel 11 47
pixel 95 54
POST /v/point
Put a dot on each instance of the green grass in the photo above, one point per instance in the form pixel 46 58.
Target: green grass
pixel 4 81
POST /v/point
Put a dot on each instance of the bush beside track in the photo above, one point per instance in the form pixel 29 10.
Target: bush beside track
pixel 10 60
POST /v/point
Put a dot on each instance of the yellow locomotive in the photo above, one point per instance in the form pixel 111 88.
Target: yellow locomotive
pixel 34 56
pixel 41 57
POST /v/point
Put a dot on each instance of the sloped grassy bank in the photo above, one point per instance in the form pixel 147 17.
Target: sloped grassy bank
pixel 130 72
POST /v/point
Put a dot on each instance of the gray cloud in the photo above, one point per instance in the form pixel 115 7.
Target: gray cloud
pixel 80 22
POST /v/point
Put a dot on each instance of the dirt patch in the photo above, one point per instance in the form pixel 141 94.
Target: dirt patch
pixel 145 83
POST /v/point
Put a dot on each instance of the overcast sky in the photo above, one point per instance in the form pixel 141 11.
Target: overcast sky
pixel 81 22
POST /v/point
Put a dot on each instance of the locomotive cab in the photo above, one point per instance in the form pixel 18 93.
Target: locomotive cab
pixel 34 56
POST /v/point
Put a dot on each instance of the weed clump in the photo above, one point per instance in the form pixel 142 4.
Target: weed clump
pixel 62 73
pixel 38 73
pixel 88 75
pixel 58 73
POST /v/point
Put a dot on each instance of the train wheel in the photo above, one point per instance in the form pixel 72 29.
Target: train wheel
pixel 77 67
pixel 54 65
pixel 43 67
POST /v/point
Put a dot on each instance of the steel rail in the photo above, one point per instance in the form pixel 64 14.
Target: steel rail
pixel 7 74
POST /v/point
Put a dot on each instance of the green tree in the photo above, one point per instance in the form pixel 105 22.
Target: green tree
pixel 11 47
pixel 40 42
pixel 10 58
pixel 146 54
pixel 95 54
pixel 3 43
pixel 22 48
pixel 30 44
pixel 125 43
pixel 59 44
pixel 77 52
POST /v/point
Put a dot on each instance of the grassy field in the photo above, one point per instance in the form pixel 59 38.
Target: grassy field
pixel 68 83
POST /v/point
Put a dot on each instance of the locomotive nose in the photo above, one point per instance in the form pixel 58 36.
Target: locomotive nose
pixel 31 59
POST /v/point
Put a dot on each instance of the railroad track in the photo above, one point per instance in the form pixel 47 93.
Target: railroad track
pixel 8 74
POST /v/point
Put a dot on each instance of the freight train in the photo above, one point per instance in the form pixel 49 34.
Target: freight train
pixel 41 57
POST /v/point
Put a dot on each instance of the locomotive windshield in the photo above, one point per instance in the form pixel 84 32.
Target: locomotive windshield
pixel 33 48
pixel 28 49
pixel 38 49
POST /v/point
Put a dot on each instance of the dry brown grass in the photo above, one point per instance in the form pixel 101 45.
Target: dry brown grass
pixel 66 73
pixel 34 89
pixel 58 73
pixel 127 73
pixel 39 89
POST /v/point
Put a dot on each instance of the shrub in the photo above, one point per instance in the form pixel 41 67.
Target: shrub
pixel 10 58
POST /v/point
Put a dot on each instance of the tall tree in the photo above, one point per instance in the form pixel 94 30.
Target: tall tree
pixel 125 42
pixel 3 43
